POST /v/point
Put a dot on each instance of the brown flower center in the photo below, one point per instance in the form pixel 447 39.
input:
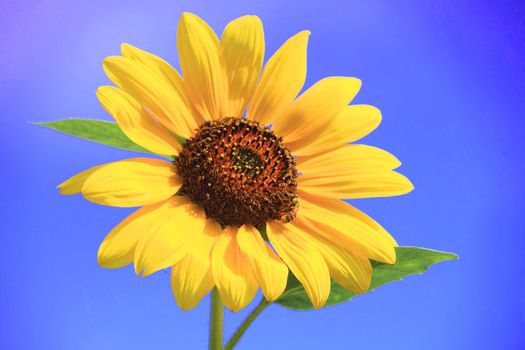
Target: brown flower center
pixel 239 172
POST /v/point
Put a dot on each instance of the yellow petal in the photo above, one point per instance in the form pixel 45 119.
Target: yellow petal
pixel 132 182
pixel 353 272
pixel 153 92
pixel 353 123
pixel 360 183
pixel 202 67
pixel 282 78
pixel 164 69
pixel 346 160
pixel 231 272
pixel 315 109
pixel 243 51
pixel 270 272
pixel 74 184
pixel 169 238
pixel 139 126
pixel 343 225
pixel 191 280
pixel 118 247
pixel 303 258
pixel 191 277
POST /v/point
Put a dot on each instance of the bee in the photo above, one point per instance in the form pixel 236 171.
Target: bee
pixel 289 216
pixel 286 218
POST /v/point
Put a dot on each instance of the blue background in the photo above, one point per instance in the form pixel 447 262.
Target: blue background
pixel 448 77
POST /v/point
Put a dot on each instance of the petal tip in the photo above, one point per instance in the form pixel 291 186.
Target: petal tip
pixel 306 33
pixel 125 47
pixel 391 257
pixel 256 18
pixel 103 260
pixel 110 60
pixel 317 304
pixel 362 289
pixel 138 268
pixel 187 17
pixel 103 91
pixel 185 306
pixel 301 38
pixel 409 186
pixel 66 190
pixel 358 82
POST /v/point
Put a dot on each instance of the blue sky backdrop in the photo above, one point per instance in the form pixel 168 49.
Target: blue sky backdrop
pixel 448 77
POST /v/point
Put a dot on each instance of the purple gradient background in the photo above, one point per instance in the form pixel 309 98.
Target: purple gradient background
pixel 448 77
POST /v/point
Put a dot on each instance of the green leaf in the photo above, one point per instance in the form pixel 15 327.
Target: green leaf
pixel 410 261
pixel 262 231
pixel 100 131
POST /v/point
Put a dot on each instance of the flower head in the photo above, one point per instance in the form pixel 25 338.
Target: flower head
pixel 256 157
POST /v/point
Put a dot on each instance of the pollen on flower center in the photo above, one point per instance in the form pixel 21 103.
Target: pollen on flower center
pixel 240 173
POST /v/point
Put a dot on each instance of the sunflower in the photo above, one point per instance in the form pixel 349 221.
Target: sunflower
pixel 255 188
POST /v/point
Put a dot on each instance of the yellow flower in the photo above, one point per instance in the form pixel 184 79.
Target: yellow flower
pixel 256 156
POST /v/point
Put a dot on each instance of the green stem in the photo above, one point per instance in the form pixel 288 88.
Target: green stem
pixel 245 324
pixel 216 321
